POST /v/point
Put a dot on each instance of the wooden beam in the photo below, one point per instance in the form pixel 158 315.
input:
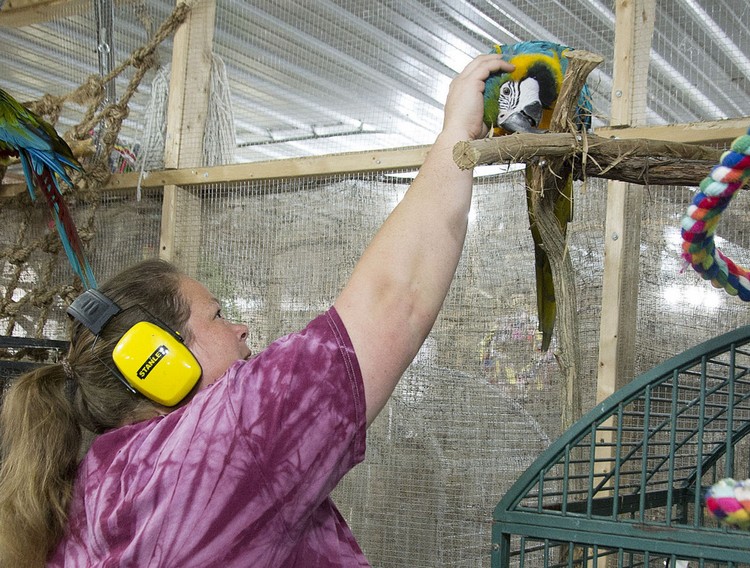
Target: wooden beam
pixel 331 164
pixel 19 13
pixel 720 132
pixel 189 92
pixel 635 21
pixel 370 161
pixel 622 233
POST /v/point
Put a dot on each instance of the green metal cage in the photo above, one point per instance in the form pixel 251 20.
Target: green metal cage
pixel 624 485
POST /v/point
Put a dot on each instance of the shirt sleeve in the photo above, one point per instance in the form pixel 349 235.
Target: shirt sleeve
pixel 300 406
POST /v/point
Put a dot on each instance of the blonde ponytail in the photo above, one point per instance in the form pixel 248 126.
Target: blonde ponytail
pixel 46 412
pixel 39 449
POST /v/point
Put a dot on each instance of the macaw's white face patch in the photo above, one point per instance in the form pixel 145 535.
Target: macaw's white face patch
pixel 515 95
pixel 519 106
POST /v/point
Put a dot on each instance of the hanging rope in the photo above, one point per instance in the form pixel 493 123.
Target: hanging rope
pixel 219 139
pixel 699 225
pixel 150 155
pixel 151 147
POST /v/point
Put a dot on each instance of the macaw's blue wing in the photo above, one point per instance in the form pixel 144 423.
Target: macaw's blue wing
pixel 44 156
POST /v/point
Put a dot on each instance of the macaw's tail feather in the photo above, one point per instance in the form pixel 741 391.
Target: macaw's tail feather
pixel 545 297
pixel 546 302
pixel 35 161
pixel 71 241
pixel 44 157
pixel 545 287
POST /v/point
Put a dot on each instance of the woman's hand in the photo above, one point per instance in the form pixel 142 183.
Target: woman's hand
pixel 464 108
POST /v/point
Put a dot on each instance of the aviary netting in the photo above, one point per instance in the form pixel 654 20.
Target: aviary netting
pixel 93 140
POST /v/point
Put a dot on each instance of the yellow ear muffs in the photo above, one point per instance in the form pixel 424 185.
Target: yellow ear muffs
pixel 156 363
pixel 149 358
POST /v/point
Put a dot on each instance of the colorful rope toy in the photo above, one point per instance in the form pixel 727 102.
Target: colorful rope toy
pixel 728 501
pixel 699 225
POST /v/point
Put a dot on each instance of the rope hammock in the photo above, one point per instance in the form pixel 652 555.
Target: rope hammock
pixel 104 119
pixel 700 222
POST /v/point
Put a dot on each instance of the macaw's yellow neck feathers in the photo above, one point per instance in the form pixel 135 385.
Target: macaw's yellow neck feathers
pixel 523 61
pixel 526 61
pixel 545 70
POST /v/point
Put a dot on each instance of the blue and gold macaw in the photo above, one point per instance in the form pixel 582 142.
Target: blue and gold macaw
pixel 44 157
pixel 523 101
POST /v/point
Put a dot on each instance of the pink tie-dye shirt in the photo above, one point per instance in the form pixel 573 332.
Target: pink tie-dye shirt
pixel 240 476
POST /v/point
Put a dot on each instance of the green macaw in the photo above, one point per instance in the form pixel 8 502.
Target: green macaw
pixel 44 157
pixel 523 101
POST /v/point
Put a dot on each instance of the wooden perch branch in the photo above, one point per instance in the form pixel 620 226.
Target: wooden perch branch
pixel 632 160
pixel 546 179
pixel 581 63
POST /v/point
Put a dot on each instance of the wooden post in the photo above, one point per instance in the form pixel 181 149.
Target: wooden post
pixel 633 33
pixel 189 91
pixel 622 233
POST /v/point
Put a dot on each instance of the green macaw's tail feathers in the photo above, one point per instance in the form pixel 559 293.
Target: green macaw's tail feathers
pixel 44 156
pixel 545 297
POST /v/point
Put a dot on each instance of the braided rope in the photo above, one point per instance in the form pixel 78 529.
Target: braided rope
pixel 702 218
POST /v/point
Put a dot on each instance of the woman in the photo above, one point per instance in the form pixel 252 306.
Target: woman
pixel 239 473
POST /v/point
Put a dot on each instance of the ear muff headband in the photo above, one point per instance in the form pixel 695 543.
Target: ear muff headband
pixel 149 358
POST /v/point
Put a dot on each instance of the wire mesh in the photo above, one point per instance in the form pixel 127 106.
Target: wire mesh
pixel 480 402
pixel 345 75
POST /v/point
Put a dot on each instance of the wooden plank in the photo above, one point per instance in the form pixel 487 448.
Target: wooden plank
pixel 609 330
pixel 189 87
pixel 332 164
pixel 179 237
pixel 710 132
pixel 315 166
pixel 633 36
pixel 19 13
pixel 189 91
pixel 630 71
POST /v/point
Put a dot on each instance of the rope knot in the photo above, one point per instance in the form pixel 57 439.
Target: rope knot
pixel 144 58
pixel 49 106
pixel 91 90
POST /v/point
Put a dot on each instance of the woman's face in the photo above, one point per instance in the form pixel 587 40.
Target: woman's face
pixel 215 342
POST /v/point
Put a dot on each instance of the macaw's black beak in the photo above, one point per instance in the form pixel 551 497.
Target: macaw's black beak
pixel 525 120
